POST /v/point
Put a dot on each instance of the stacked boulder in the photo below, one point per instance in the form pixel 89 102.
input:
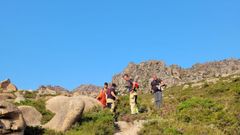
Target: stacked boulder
pixel 68 110
pixel 11 119
pixel 7 86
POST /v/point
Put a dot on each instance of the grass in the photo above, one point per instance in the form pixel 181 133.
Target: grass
pixel 94 123
pixel 40 106
pixel 30 95
pixel 211 109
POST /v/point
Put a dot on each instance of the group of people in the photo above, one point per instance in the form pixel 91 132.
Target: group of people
pixel 108 95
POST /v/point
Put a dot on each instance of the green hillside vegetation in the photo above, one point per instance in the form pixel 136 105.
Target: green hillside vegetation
pixel 210 109
pixel 40 106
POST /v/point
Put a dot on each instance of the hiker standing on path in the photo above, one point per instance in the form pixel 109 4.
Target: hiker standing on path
pixel 102 97
pixel 157 87
pixel 112 97
pixel 133 93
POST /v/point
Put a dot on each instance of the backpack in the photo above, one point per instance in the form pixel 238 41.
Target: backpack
pixel 135 86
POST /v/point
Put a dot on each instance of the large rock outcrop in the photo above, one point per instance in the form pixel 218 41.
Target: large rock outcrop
pixel 89 90
pixel 129 128
pixel 174 74
pixel 11 119
pixel 31 116
pixel 7 86
pixel 7 97
pixel 68 110
pixel 51 91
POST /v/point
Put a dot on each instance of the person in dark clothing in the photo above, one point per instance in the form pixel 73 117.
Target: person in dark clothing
pixel 112 97
pixel 157 87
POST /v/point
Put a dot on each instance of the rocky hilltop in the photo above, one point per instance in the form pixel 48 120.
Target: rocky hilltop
pixel 7 86
pixel 51 90
pixel 176 75
pixel 90 90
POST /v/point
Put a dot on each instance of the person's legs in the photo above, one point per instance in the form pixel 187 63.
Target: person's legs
pixel 157 99
pixel 109 105
pixel 136 99
pixel 131 100
pixel 135 105
pixel 112 108
pixel 160 99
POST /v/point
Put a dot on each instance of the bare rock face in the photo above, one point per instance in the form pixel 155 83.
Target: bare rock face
pixel 19 97
pixel 31 116
pixel 89 90
pixel 11 119
pixel 175 75
pixel 68 110
pixel 7 97
pixel 51 90
pixel 127 128
pixel 90 103
pixel 7 86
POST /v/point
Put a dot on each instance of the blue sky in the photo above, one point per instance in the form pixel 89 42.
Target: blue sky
pixel 69 43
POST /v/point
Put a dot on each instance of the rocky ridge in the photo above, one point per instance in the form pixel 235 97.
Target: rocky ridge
pixel 176 75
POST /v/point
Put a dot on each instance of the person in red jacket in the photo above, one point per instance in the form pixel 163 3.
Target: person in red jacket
pixel 102 97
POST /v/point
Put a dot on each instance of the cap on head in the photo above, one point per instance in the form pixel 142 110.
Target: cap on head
pixel 114 85
pixel 105 84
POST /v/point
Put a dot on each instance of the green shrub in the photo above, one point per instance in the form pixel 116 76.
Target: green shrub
pixel 40 106
pixel 94 123
pixel 197 110
pixel 197 102
pixel 219 88
pixel 40 131
pixel 31 95
pixel 159 128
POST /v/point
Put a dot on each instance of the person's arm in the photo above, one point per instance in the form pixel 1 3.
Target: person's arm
pixel 133 86
pixel 114 95
pixel 99 95
pixel 163 84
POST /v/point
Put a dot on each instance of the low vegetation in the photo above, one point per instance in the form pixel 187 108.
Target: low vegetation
pixel 97 122
pixel 40 106
pixel 94 123
pixel 209 109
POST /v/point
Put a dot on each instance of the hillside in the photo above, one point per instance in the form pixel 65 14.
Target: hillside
pixel 211 108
